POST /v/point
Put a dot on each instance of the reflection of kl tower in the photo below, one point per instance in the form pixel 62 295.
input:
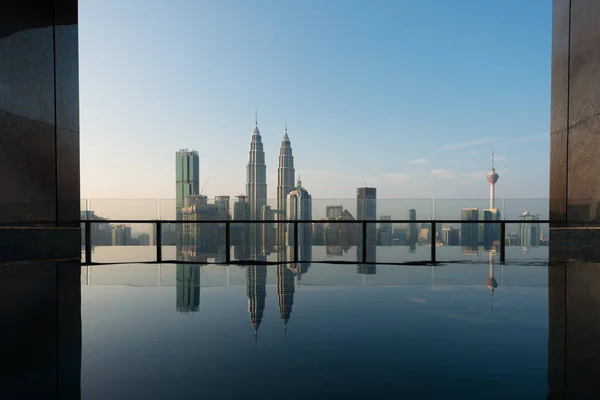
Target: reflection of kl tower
pixel 491 282
pixel 492 178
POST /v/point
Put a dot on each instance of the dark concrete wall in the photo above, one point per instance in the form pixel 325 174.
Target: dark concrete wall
pixel 575 130
pixel 574 272
pixel 39 130
pixel 574 329
pixel 40 338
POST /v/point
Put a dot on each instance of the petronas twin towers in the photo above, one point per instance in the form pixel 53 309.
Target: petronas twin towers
pixel 256 175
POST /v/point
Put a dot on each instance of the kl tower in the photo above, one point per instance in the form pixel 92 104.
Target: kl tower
pixel 492 178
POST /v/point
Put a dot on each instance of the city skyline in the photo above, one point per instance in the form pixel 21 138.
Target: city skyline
pixel 432 115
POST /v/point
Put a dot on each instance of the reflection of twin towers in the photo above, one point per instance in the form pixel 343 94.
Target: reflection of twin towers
pixel 188 289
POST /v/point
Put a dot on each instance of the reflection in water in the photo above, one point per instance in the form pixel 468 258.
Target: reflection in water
pixel 285 292
pixel 491 284
pixel 256 290
pixel 188 288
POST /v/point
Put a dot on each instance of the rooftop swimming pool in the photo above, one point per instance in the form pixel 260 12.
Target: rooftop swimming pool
pixel 315 331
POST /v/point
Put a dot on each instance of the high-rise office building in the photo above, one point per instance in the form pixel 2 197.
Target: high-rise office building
pixel 187 180
pixel 204 237
pixel 469 232
pixel 529 230
pixel 299 208
pixel 450 236
pixel 240 232
pixel 286 177
pixel 187 183
pixel 334 212
pixel 413 231
pixel 256 175
pixel 384 234
pixel 366 210
pixel 492 178
pixel 121 235
pixel 491 232
pixel 222 204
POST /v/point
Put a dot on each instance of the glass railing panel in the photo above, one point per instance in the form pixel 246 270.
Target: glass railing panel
pixel 112 242
pixel 123 209
pixel 333 241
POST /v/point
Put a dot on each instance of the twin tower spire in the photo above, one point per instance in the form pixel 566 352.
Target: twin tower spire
pixel 256 175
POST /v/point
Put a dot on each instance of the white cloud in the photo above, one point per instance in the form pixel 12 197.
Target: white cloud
pixel 418 161
pixel 500 158
pixel 444 173
pixel 471 143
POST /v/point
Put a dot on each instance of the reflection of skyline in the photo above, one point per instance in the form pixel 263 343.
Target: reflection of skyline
pixel 256 290
pixel 188 288
pixel 285 292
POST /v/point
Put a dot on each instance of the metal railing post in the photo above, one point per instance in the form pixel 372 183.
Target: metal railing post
pixel 433 242
pixel 364 241
pixel 502 242
pixel 295 240
pixel 227 241
pixel 88 241
pixel 158 241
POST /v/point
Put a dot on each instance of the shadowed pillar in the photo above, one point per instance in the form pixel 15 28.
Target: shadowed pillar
pixel 574 272
pixel 39 130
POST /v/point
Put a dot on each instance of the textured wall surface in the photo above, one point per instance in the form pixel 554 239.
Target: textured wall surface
pixel 39 130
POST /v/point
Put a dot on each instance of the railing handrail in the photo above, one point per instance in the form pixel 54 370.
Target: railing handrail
pixel 322 221
pixel 432 222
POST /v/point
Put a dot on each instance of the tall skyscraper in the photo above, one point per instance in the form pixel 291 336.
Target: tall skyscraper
pixel 413 232
pixel 529 230
pixel 491 232
pixel 256 175
pixel 187 183
pixel 187 180
pixel 492 178
pixel 222 203
pixel 299 208
pixel 240 233
pixel 366 210
pixel 469 232
pixel 286 176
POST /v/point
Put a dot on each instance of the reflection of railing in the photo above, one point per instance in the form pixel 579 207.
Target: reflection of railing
pixel 432 224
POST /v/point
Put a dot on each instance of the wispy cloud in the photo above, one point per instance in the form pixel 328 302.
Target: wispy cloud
pixel 444 173
pixel 500 158
pixel 418 161
pixel 533 138
pixel 472 143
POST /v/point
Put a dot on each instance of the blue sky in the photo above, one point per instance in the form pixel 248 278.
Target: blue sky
pixel 406 96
